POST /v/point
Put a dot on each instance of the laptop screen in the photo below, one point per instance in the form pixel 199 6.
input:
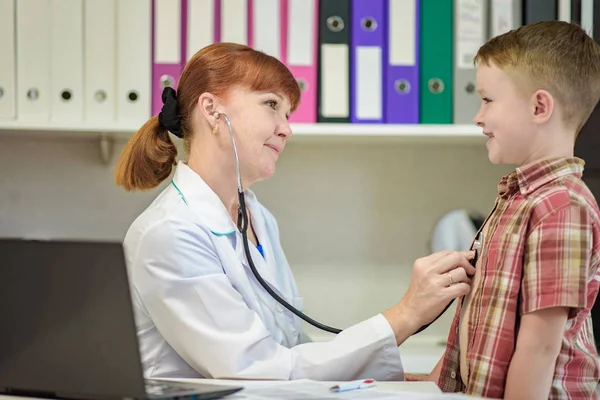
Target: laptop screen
pixel 67 322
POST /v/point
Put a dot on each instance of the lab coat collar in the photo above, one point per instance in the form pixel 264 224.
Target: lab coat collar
pixel 207 205
pixel 203 200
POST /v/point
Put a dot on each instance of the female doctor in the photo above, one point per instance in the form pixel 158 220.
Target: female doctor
pixel 200 312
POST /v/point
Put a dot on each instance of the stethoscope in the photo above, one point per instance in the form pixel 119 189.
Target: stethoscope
pixel 242 225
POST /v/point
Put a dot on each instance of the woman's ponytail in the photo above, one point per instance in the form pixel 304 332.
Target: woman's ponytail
pixel 149 156
pixel 147 159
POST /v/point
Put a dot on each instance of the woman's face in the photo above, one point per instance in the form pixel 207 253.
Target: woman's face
pixel 261 129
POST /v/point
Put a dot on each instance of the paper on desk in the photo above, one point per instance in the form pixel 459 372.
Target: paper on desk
pixel 311 390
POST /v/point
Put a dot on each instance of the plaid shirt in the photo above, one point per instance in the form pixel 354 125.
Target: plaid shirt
pixel 542 250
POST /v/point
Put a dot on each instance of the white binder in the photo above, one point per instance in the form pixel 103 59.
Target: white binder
pixel 505 16
pixel 33 60
pixel 134 62
pixel 587 16
pixel 100 50
pixel 564 10
pixel 470 33
pixel 66 60
pixel 234 21
pixel 200 26
pixel 266 27
pixel 7 66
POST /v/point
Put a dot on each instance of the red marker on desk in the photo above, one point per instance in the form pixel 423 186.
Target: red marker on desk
pixel 353 385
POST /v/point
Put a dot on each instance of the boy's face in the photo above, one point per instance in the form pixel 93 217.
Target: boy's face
pixel 504 117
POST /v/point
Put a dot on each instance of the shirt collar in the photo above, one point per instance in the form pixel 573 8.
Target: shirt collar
pixel 529 178
pixel 204 201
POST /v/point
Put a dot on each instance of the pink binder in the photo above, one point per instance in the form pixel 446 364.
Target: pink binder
pixel 251 23
pixel 166 63
pixel 301 57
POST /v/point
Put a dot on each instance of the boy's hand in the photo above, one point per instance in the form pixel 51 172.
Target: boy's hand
pixel 432 377
pixel 538 345
pixel 415 377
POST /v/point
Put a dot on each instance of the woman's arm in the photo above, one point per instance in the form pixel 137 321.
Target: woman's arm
pixel 196 309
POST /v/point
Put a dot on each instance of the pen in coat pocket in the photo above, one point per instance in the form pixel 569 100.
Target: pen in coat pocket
pixel 353 385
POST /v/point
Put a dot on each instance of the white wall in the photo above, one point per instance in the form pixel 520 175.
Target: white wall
pixel 353 218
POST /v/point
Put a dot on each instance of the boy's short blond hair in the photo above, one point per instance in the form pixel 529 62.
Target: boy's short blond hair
pixel 556 56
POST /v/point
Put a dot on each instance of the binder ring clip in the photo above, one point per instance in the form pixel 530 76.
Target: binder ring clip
pixel 435 85
pixel 402 86
pixel 66 94
pixel 100 96
pixel 33 94
pixel 335 23
pixel 302 84
pixel 470 88
pixel 132 96
pixel 166 81
pixel 368 24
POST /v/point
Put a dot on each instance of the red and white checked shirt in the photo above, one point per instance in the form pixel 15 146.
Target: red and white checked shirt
pixel 542 250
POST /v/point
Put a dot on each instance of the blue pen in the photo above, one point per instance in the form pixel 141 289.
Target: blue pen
pixel 353 385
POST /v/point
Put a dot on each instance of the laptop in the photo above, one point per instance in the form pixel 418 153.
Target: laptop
pixel 67 326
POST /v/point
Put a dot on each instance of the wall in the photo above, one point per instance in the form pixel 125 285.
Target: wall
pixel 353 218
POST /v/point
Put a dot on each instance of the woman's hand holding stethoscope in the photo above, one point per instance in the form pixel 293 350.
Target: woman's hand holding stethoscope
pixel 436 280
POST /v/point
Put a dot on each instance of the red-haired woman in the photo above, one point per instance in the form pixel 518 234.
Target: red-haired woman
pixel 200 311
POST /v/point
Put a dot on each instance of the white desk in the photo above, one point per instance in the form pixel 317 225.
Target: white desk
pixel 419 387
pixel 307 389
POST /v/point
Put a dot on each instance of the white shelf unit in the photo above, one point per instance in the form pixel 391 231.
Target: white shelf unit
pixel 303 133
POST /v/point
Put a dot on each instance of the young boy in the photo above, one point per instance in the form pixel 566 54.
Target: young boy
pixel 525 331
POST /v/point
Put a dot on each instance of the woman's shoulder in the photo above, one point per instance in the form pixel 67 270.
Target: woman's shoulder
pixel 163 221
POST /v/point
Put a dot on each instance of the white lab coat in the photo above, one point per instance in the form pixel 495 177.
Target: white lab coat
pixel 201 313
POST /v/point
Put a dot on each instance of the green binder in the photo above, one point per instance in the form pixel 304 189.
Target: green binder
pixel 437 49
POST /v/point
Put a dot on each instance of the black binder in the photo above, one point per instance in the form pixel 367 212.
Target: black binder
pixel 539 10
pixel 334 29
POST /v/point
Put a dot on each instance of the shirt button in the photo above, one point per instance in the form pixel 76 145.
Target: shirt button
pixel 453 375
pixel 279 308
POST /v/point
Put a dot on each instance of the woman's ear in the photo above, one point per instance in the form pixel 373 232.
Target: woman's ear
pixel 207 105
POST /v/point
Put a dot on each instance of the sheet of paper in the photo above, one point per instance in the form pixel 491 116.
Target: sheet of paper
pixel 311 390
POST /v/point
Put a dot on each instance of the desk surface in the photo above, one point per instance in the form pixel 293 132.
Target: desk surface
pixel 307 389
pixel 311 390
pixel 420 387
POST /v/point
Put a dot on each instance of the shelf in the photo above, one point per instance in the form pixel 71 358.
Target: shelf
pixel 303 133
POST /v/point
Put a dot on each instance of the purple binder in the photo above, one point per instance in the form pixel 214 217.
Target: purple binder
pixel 166 73
pixel 402 81
pixel 368 30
